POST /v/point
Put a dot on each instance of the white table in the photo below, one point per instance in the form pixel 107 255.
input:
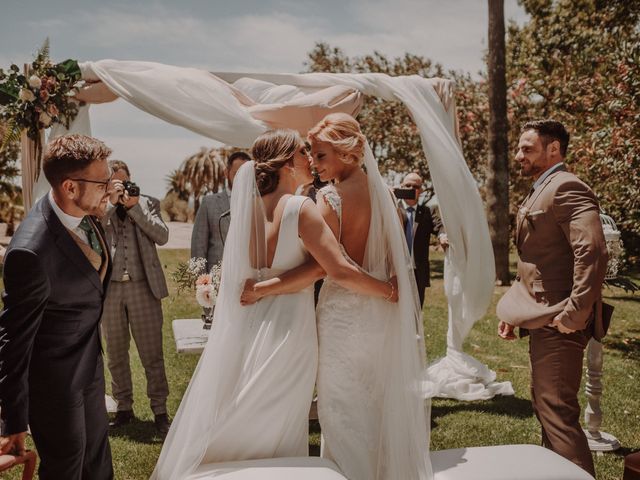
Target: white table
pixel 189 335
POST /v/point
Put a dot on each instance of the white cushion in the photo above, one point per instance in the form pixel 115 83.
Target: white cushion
pixel 504 462
pixel 295 468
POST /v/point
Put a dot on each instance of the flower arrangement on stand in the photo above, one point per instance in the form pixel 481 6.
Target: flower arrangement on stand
pixel 193 275
pixel 35 99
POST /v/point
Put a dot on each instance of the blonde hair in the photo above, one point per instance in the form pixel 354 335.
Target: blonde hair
pixel 343 132
pixel 271 151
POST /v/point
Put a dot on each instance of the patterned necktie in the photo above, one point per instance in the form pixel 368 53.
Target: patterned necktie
pixel 408 228
pixel 85 225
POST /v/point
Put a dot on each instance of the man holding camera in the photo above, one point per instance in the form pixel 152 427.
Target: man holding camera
pixel 133 227
pixel 419 224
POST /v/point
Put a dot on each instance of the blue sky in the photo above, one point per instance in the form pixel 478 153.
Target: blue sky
pixel 257 36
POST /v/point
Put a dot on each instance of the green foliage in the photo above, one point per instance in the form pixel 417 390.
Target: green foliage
pixel 576 61
pixel 35 100
pixel 388 126
pixel 10 192
pixel 579 62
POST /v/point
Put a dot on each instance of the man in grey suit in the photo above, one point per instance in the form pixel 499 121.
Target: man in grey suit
pixel 212 220
pixel 133 227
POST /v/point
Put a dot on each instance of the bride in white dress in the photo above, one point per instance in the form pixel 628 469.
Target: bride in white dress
pixel 370 405
pixel 250 395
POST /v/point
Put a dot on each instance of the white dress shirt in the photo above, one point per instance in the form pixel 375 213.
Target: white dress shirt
pixel 69 221
pixel 544 176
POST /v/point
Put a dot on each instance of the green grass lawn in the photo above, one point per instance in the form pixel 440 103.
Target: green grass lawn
pixel 503 420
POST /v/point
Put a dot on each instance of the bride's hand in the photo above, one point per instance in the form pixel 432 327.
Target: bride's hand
pixel 249 296
pixel 394 295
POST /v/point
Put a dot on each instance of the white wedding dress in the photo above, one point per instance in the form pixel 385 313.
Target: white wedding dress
pixel 251 393
pixel 362 380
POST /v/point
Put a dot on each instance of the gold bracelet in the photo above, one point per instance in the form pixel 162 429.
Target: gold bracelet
pixel 393 290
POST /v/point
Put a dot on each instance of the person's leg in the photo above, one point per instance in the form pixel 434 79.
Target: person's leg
pixel 422 285
pixel 58 430
pixel 556 371
pixel 145 317
pixel 97 463
pixel 115 330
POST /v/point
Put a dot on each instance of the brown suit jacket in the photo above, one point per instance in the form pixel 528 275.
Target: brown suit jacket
pixel 562 258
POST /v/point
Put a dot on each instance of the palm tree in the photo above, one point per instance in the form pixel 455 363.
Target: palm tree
pixel 175 181
pixel 498 171
pixel 200 174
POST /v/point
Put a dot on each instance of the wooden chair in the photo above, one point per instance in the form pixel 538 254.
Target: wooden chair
pixel 29 460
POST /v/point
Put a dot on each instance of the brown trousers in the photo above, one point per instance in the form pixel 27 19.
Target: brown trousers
pixel 556 371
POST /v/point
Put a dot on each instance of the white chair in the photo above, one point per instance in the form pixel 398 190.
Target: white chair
pixel 504 462
pixel 293 468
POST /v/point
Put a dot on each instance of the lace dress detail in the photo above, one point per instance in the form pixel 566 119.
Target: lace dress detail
pixel 349 387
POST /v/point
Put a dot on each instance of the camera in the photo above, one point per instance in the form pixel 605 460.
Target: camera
pixel 131 188
pixel 404 193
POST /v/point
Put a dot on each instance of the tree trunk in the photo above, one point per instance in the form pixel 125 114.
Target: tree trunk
pixel 498 171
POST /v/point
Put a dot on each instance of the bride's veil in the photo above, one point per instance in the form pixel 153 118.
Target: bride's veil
pixel 222 371
pixel 404 435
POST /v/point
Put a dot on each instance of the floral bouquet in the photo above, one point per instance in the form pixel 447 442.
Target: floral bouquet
pixel 192 275
pixel 36 99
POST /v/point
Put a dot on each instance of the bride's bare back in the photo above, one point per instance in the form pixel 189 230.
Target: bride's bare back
pixel 356 215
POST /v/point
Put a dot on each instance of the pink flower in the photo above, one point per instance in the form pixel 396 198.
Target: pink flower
pixel 204 279
pixel 53 110
pixel 44 95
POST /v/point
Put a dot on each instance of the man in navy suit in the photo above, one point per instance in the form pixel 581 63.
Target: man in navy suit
pixel 56 271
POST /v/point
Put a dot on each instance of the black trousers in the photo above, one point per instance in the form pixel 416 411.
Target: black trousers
pixel 71 433
pixel 421 282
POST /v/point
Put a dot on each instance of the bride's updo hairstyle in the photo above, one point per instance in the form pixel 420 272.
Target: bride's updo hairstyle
pixel 343 132
pixel 271 151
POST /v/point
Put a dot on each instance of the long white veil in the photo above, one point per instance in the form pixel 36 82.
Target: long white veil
pixel 404 434
pixel 223 370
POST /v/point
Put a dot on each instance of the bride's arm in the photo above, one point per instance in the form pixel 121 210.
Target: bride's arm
pixel 291 281
pixel 323 246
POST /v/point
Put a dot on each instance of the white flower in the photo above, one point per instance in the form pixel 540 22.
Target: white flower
pixel 27 95
pixel 45 119
pixel 34 81
pixel 79 84
pixel 206 295
pixel 197 265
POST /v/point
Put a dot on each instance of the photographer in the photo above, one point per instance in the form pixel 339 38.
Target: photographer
pixel 419 223
pixel 133 227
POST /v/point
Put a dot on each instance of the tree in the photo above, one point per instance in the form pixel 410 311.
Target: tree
pixel 390 130
pixel 498 169
pixel 200 174
pixel 10 192
pixel 579 62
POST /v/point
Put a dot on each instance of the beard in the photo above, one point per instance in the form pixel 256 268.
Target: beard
pixel 92 208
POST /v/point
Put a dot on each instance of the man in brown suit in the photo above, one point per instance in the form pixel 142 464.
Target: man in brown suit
pixel 556 296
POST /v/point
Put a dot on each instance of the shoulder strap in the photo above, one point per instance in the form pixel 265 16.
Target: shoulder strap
pixel 332 197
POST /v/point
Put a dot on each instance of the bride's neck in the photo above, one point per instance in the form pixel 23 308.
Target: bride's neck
pixel 348 173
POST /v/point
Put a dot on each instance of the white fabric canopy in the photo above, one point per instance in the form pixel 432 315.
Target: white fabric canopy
pixel 235 108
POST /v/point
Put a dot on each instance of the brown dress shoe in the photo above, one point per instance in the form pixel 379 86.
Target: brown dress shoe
pixel 122 417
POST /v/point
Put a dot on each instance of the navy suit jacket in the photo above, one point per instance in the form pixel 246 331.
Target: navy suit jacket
pixel 49 327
